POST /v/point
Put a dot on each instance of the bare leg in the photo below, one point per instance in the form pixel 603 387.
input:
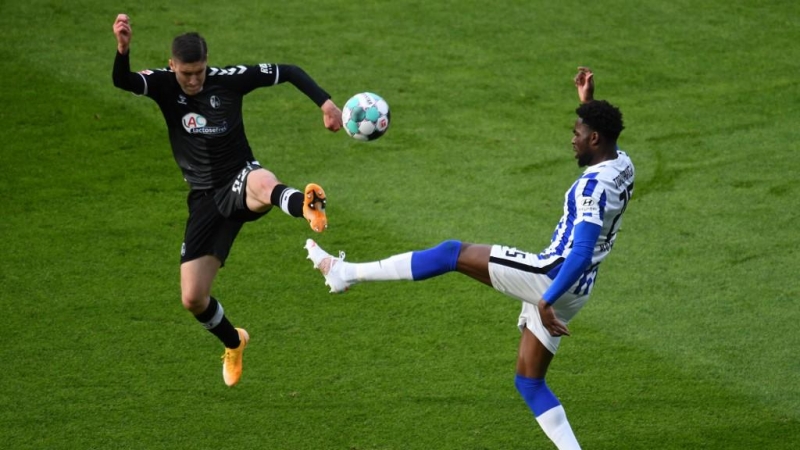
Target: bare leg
pixel 197 276
pixel 473 261
pixel 260 184
pixel 534 358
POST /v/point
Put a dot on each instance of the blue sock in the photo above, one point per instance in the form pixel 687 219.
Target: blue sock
pixel 435 261
pixel 536 394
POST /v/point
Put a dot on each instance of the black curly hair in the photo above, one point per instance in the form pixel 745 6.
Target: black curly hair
pixel 602 117
pixel 189 48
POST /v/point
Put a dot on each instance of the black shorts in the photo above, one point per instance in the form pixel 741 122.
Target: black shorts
pixel 215 218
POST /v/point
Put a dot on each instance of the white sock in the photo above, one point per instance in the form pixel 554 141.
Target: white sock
pixel 286 195
pixel 556 426
pixel 397 267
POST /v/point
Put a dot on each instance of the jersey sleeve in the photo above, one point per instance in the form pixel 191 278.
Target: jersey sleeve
pixel 245 78
pixel 590 200
pixel 146 82
pixel 123 77
pixel 578 260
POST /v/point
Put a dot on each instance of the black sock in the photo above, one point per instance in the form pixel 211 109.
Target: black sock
pixel 288 199
pixel 214 320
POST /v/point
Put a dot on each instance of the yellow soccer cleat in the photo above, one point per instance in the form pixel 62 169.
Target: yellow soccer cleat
pixel 314 207
pixel 232 359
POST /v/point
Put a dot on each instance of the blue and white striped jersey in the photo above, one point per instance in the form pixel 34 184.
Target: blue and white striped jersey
pixel 599 196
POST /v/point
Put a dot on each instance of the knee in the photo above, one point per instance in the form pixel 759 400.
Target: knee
pixel 194 301
pixel 261 183
pixel 536 394
pixel 450 249
pixel 530 388
pixel 435 261
pixel 451 245
pixel 527 385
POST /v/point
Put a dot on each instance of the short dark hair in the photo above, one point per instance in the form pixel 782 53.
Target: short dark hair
pixel 602 117
pixel 189 48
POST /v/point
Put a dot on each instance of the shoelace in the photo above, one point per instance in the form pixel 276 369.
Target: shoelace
pixel 331 262
pixel 228 355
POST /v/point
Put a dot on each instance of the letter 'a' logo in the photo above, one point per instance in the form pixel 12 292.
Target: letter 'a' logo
pixel 193 121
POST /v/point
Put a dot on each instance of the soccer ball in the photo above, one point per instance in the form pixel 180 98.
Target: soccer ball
pixel 366 116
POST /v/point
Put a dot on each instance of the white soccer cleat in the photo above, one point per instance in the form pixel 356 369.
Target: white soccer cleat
pixel 330 267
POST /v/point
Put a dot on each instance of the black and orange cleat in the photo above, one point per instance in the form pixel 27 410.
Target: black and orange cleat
pixel 314 207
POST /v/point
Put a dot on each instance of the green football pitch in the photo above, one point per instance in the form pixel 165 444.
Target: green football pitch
pixel 690 339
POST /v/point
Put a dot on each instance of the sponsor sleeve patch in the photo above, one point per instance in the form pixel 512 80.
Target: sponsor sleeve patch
pixel 266 68
pixel 587 206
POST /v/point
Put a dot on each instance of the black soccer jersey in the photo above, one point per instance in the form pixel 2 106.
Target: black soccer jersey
pixel 206 130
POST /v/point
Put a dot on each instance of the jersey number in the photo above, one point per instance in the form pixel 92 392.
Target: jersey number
pixel 624 197
pixel 237 184
pixel 515 254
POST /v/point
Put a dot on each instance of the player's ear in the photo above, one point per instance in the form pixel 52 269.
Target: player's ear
pixel 594 138
pixel 171 65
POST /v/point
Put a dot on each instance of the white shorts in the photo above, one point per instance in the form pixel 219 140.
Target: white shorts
pixel 523 275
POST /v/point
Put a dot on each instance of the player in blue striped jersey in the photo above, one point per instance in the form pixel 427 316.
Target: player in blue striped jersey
pixel 554 284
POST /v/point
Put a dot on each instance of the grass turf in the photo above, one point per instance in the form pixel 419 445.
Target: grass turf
pixel 690 338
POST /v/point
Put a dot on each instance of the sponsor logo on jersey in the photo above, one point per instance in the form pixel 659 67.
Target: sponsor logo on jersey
pixel 586 205
pixel 194 123
pixel 266 68
pixel 214 100
pixel 237 70
pixel 146 72
pixel 181 99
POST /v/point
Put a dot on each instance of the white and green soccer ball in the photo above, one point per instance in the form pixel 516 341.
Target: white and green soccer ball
pixel 366 116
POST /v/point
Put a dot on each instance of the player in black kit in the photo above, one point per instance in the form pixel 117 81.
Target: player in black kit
pixel 202 106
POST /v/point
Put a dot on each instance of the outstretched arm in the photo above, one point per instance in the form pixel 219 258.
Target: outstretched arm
pixel 122 75
pixel 584 81
pixel 331 114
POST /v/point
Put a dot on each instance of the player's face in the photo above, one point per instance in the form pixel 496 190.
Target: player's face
pixel 583 139
pixel 191 76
